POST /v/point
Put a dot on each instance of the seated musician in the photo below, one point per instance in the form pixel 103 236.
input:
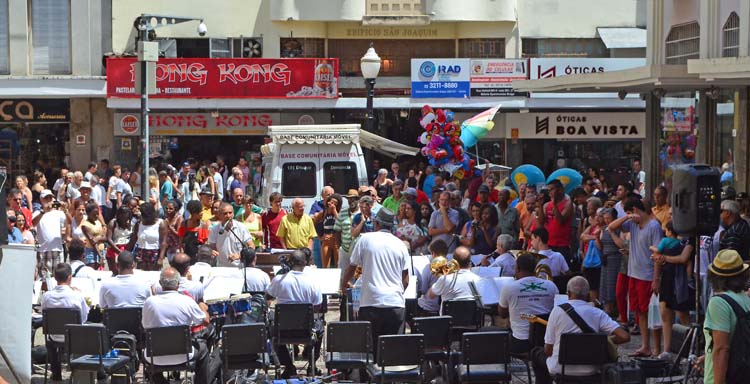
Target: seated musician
pixel 295 286
pixel 455 286
pixel 124 290
pixel 172 308
pixel 203 263
pixel 501 256
pixel 256 279
pixel 545 360
pixel 62 296
pixel 555 260
pixel 527 294
pixel 76 250
pixel 194 289
pixel 430 306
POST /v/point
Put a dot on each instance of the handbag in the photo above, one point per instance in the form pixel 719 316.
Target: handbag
pixel 593 257
pixel 585 328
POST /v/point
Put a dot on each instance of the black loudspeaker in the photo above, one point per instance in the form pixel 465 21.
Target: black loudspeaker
pixel 696 199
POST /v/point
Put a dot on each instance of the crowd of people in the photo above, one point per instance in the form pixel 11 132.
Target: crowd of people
pixel 609 249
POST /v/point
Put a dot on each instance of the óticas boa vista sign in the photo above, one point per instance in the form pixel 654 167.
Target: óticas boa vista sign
pixel 229 78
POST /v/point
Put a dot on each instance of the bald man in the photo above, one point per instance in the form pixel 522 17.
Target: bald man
pixel 297 230
pixel 181 263
pixel 455 286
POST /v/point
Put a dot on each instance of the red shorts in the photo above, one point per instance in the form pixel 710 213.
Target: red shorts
pixel 639 292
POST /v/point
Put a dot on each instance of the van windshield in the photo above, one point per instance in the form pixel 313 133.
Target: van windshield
pixel 341 175
pixel 298 179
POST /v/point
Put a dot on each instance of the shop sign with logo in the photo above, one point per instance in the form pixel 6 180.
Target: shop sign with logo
pixel 196 124
pixel 491 78
pixel 229 78
pixel 35 110
pixel 577 126
pixel 440 78
pixel 543 68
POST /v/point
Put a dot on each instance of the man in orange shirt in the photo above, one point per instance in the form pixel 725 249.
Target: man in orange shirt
pixel 661 209
pixel 524 213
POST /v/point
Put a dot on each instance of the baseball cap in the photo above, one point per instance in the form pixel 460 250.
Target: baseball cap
pixel 206 190
pixel 45 193
pixel 85 184
pixel 411 191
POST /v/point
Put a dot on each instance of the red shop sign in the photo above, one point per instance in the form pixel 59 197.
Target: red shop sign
pixel 229 78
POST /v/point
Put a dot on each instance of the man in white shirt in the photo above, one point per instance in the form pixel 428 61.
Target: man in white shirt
pixel 295 287
pixel 555 260
pixel 385 274
pixel 76 255
pixel 426 305
pixel 455 286
pixel 49 223
pixel 527 294
pixel 201 270
pixel 194 289
pixel 223 238
pixel 172 308
pixel 124 290
pixel 545 361
pixel 62 296
pixel 501 257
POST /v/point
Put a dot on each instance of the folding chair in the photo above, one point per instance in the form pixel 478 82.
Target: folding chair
pixel 582 349
pixel 244 346
pixel 466 316
pixel 91 343
pixel 54 321
pixel 166 341
pixel 124 319
pixel 348 345
pixel 437 340
pixel 400 359
pixel 486 357
pixel 293 324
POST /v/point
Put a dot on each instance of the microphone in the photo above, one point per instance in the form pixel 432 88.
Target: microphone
pixel 224 227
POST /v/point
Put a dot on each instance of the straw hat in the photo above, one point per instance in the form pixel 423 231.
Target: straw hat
pixel 728 263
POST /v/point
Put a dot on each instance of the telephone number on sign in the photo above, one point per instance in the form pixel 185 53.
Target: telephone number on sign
pixel 441 85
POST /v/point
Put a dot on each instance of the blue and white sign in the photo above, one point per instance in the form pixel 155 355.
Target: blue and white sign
pixel 438 78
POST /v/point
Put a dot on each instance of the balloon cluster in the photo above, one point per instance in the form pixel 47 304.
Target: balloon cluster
pixel 442 142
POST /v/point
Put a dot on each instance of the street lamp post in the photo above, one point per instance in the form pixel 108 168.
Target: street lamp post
pixel 370 66
pixel 148 53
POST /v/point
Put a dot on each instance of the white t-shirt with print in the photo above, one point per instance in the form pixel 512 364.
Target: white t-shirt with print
pixel 529 295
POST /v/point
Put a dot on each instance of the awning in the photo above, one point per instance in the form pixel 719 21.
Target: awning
pixel 384 146
pixel 614 38
pixel 634 80
pixel 736 69
pixel 53 88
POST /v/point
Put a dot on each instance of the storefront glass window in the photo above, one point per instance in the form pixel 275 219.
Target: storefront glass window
pixel 678 133
pixel 298 179
pixel 341 175
pixel 726 125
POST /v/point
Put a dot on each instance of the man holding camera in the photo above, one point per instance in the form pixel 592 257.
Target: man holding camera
pixel 49 223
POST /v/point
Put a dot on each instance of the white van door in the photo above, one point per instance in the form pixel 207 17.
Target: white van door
pixel 342 166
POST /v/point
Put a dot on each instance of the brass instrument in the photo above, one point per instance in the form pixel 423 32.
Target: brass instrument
pixel 541 271
pixel 440 266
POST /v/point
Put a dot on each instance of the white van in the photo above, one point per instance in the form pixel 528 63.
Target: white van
pixel 302 159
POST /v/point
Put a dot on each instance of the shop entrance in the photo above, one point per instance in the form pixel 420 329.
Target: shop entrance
pixel 28 146
pixel 207 147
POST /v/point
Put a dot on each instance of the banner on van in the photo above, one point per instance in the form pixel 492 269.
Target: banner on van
pixel 229 78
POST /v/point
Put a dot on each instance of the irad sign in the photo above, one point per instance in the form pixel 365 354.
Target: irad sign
pixel 578 126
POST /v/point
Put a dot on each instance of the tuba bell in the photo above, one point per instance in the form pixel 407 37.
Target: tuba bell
pixel 440 266
pixel 541 271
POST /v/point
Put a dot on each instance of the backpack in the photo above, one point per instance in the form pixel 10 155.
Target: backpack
pixel 739 358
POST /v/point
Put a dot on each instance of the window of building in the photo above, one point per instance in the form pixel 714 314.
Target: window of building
pixel 683 43
pixel 4 49
pixel 341 175
pixel 50 37
pixel 395 54
pixel 564 48
pixel 307 47
pixel 298 179
pixel 481 48
pixel 731 36
pixel 393 7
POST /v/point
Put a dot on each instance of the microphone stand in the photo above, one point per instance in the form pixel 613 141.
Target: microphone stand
pixel 245 248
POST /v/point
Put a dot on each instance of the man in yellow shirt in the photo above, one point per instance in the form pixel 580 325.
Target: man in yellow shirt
pixel 661 209
pixel 206 197
pixel 297 230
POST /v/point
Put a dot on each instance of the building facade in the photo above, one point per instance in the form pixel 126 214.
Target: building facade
pixel 400 31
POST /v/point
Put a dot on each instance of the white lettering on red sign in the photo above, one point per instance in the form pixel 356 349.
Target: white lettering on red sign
pixel 173 72
pixel 277 73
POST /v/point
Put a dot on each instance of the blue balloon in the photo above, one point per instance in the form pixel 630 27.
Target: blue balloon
pixel 570 178
pixel 527 173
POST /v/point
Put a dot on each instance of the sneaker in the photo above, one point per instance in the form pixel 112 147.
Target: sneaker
pixel 665 356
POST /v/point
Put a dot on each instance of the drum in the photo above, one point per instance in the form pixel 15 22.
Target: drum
pixel 217 307
pixel 240 303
